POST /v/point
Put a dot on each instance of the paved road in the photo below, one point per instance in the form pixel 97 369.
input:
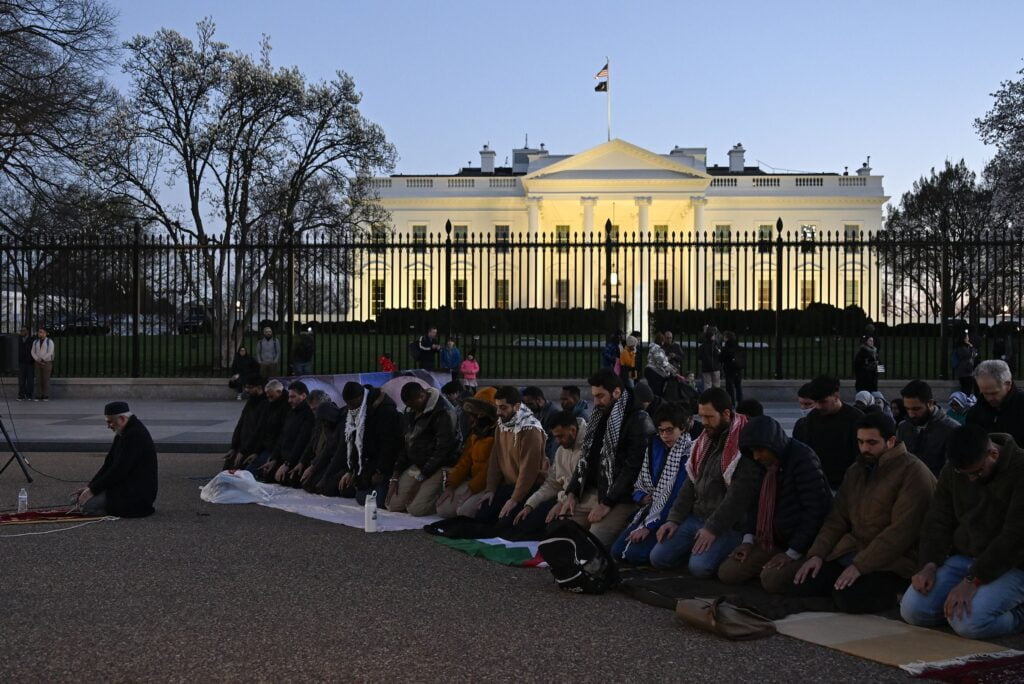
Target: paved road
pixel 176 426
pixel 204 592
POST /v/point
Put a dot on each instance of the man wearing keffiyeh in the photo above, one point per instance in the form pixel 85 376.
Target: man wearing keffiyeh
pixel 794 500
pixel 721 489
pixel 661 478
pixel 599 496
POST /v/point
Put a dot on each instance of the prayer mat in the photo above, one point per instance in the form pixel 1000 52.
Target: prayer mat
pixel 52 516
pixel 522 554
pixel 996 668
pixel 890 642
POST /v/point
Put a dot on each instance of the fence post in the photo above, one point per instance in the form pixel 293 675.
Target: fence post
pixel 448 273
pixel 608 266
pixel 945 313
pixel 136 298
pixel 290 304
pixel 778 299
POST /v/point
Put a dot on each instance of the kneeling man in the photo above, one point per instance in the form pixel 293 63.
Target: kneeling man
pixel 126 484
pixel 972 543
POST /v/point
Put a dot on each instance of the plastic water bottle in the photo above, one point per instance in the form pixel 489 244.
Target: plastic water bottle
pixel 23 501
pixel 370 513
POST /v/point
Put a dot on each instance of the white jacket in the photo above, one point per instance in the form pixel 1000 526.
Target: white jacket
pixel 42 350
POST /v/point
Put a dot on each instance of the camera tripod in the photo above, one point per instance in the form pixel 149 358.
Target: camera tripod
pixel 15 454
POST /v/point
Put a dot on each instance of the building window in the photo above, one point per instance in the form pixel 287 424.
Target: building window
pixel 722 237
pixel 561 294
pixel 501 293
pixel 808 233
pixel 765 235
pixel 660 239
pixel 851 234
pixel 419 294
pixel 660 295
pixel 722 294
pixel 460 236
pixel 764 294
pixel 459 293
pixel 562 238
pixel 501 239
pixel 852 292
pixel 378 237
pixel 376 297
pixel 419 239
pixel 806 292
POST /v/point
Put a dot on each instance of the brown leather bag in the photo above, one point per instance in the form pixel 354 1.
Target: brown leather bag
pixel 724 619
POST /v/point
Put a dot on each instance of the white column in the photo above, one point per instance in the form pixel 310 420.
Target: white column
pixel 698 202
pixel 588 215
pixel 643 205
pixel 533 207
pixel 696 259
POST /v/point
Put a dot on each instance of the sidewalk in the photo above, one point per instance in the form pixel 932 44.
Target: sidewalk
pixel 177 426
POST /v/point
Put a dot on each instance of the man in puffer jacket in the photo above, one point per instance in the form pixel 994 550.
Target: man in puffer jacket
pixel 795 498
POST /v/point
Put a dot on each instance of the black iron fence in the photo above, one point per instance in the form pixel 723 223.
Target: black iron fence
pixel 526 306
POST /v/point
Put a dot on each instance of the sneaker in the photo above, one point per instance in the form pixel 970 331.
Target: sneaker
pixel 239 397
pixel 46 398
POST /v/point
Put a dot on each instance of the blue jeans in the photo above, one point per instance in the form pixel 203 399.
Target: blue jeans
pixel 992 610
pixel 673 551
pixel 631 552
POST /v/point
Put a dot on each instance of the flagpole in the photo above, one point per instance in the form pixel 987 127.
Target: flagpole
pixel 608 94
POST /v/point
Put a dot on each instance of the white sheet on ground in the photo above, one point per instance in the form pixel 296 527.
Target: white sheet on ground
pixel 240 487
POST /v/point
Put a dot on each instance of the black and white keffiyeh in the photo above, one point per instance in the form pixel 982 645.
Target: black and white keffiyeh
pixel 522 420
pixel 675 461
pixel 355 425
pixel 610 442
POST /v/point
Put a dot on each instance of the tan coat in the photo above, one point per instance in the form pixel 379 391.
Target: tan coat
pixel 879 517
pixel 561 473
pixel 517 459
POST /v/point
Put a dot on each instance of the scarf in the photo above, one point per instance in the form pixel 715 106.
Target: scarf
pixel 608 444
pixel 660 492
pixel 766 507
pixel 730 454
pixel 523 419
pixel 355 426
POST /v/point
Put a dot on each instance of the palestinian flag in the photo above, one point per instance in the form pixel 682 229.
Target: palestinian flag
pixel 521 554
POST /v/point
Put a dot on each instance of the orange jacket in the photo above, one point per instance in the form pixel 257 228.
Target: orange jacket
pixel 472 465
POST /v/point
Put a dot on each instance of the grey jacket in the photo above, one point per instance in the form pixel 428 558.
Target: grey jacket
pixel 268 351
pixel 928 441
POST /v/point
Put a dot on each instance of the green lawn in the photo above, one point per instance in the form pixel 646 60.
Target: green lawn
pixel 500 355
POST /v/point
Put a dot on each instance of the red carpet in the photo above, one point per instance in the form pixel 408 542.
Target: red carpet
pixel 991 670
pixel 49 516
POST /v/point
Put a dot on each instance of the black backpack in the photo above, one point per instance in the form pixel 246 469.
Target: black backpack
pixel 578 561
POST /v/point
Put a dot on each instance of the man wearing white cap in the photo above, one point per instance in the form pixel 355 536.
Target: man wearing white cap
pixel 126 485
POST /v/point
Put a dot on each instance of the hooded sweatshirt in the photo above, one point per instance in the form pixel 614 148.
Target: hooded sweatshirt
pixel 560 473
pixel 431 439
pixel 802 498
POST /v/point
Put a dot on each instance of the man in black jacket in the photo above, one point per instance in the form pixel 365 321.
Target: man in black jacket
pixel 126 485
pixel 830 429
pixel 257 448
pixel 1001 405
pixel 295 435
pixel 248 423
pixel 927 428
pixel 795 498
pixel 26 366
pixel 372 439
pixel 600 494
pixel 431 443
pixel 317 437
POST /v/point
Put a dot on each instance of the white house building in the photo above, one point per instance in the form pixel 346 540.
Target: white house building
pixel 677 198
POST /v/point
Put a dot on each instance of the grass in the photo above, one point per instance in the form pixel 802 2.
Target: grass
pixel 498 353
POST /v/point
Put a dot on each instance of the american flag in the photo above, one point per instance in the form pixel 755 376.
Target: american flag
pixel 603 73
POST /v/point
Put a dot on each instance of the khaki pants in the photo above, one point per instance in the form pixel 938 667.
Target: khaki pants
pixel 43 370
pixel 611 525
pixel 425 501
pixel 712 379
pixel 775 581
pixel 464 502
pixel 268 370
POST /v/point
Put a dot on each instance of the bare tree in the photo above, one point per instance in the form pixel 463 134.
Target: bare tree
pixel 1003 127
pixel 52 53
pixel 264 157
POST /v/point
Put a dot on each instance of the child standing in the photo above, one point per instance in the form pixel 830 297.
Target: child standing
pixel 469 369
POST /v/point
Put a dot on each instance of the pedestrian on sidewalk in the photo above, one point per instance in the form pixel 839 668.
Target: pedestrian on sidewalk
pixel 42 355
pixel 965 358
pixel 303 352
pixel 268 354
pixel 26 366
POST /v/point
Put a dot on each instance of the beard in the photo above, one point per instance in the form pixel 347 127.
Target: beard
pixel 867 459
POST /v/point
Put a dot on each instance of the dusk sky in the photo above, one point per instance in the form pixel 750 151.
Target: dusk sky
pixel 805 86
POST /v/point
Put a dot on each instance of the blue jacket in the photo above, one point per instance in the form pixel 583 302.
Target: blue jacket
pixel 659 455
pixel 451 358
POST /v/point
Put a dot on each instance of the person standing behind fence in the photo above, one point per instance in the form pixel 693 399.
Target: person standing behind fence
pixel 451 358
pixel 303 353
pixel 711 359
pixel 865 366
pixel 469 368
pixel 42 354
pixel 428 347
pixel 965 358
pixel 627 362
pixel 26 366
pixel 268 354
pixel 734 360
pixel 658 370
